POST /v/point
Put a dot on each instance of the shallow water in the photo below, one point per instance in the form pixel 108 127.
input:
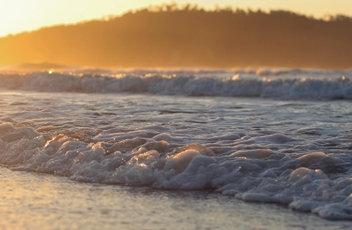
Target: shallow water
pixel 296 153
pixel 40 201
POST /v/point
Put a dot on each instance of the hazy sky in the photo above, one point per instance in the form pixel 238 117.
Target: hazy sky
pixel 22 15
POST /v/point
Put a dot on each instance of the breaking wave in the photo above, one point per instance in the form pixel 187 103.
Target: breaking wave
pixel 253 173
pixel 277 84
pixel 295 153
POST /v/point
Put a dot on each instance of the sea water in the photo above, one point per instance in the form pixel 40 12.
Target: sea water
pixel 268 136
pixel 43 201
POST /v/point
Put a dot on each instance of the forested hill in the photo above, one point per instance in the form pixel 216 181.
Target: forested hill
pixel 189 38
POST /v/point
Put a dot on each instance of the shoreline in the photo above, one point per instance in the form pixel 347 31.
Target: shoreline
pixel 33 200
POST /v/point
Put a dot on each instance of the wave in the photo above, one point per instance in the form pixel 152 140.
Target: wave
pixel 264 83
pixel 295 153
pixel 301 181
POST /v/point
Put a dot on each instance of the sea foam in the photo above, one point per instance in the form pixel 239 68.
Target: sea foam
pixel 293 152
pixel 292 85
pixel 256 175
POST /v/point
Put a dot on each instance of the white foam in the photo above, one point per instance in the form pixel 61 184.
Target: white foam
pixel 288 84
pixel 296 153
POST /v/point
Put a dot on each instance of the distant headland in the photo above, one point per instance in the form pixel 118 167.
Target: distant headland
pixel 191 37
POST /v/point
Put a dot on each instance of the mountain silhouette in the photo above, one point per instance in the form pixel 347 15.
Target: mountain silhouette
pixel 189 37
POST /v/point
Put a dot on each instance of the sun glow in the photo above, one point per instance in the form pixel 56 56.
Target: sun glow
pixel 14 15
pixel 26 15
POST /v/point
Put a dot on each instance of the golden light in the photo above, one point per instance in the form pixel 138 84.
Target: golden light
pixel 25 15
pixel 14 15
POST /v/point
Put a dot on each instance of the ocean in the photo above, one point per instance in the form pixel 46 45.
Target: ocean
pixel 179 149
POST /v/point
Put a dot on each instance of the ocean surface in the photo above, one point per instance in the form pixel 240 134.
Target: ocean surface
pixel 281 138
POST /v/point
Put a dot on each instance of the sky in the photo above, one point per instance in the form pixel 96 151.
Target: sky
pixel 25 15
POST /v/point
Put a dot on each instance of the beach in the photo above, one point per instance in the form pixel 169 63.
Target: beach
pixel 41 201
pixel 179 149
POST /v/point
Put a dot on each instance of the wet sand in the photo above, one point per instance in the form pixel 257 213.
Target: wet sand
pixel 42 201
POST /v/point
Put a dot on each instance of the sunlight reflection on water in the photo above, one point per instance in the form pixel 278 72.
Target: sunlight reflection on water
pixel 39 201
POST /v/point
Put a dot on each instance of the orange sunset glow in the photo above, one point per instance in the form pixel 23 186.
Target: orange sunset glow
pixel 24 15
pixel 143 34
pixel 175 114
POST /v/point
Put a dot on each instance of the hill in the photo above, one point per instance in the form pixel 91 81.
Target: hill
pixel 189 37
